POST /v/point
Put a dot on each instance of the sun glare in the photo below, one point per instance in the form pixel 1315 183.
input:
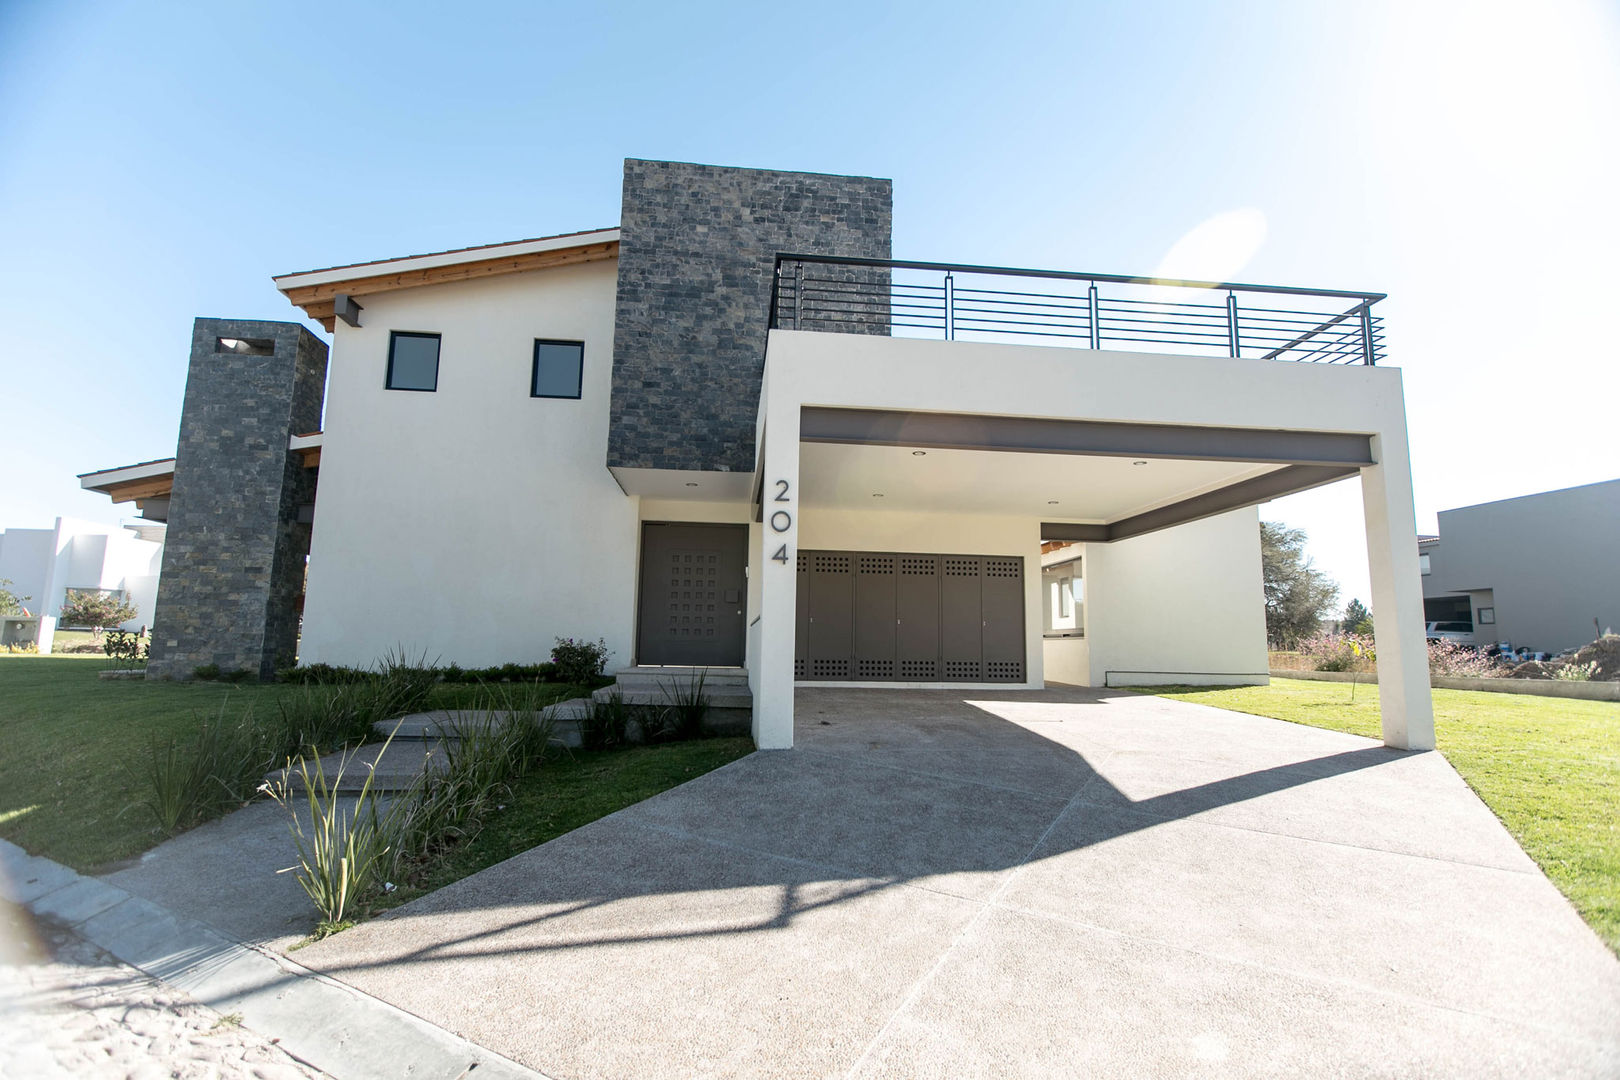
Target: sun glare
pixel 1217 249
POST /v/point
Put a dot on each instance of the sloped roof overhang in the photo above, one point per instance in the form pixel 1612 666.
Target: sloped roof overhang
pixel 318 292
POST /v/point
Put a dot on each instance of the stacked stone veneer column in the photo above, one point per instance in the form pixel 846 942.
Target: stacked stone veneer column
pixel 696 261
pixel 233 561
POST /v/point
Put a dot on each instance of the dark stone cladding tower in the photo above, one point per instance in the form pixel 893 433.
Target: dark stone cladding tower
pixel 233 562
pixel 697 254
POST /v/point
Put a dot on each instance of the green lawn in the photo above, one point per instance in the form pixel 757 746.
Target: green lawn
pixel 73 747
pixel 570 790
pixel 1548 767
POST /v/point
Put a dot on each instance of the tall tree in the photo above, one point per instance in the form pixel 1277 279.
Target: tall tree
pixel 10 602
pixel 95 609
pixel 1357 619
pixel 1297 593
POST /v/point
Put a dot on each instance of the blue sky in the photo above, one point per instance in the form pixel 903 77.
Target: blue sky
pixel 161 161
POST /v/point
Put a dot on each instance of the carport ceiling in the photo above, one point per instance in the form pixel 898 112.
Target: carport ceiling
pixel 1085 489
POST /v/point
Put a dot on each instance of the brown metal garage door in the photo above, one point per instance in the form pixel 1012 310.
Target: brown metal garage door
pixel 907 617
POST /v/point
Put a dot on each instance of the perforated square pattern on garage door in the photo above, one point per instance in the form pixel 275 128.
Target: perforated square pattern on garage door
pixel 908 617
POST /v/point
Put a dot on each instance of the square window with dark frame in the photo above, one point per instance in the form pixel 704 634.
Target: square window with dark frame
pixel 413 361
pixel 558 369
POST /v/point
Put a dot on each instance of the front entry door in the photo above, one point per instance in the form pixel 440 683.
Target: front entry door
pixel 694 593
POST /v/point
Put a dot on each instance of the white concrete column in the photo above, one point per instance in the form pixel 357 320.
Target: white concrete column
pixel 778 585
pixel 1397 594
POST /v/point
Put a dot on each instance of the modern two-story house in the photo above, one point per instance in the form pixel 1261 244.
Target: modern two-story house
pixel 1536 571
pixel 735 432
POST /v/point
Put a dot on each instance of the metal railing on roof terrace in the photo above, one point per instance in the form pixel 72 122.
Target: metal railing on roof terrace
pixel 1099 311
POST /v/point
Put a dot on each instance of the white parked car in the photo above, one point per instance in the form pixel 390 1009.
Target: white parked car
pixel 1460 632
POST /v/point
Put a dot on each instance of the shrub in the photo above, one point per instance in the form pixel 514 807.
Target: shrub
pixel 87 607
pixel 10 602
pixel 328 718
pixel 125 648
pixel 322 675
pixel 1448 658
pixel 219 767
pixel 606 722
pixel 579 661
pixel 329 675
pixel 1338 652
pixel 340 853
pixel 688 704
pixel 1573 672
pixel 450 803
pixel 205 672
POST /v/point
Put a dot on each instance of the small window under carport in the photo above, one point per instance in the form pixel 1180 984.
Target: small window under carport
pixel 1062 591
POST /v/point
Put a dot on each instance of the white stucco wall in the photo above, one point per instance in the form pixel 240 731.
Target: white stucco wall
pixel 473 524
pixel 26 556
pixel 74 554
pixel 1185 605
pixel 1067 660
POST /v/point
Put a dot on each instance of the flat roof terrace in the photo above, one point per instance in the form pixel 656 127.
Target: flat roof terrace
pixel 955 302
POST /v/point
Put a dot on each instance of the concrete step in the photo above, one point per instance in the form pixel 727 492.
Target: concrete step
pixel 453 723
pixel 728 697
pixel 658 677
pixel 396 766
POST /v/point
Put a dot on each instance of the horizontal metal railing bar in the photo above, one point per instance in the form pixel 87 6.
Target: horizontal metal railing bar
pixel 1163 303
pixel 1145 318
pixel 955 308
pixel 980 296
pixel 1247 316
pixel 1194 312
pixel 932 303
pixel 1162 316
pixel 1289 335
pixel 1149 334
pixel 960 291
pixel 1070 275
pixel 1269 316
pixel 900 311
pixel 985 324
pixel 981 321
pixel 1144 326
pixel 863 298
pixel 1038 333
pixel 1013 310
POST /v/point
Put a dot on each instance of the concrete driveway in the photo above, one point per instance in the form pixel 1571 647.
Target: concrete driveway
pixel 1056 883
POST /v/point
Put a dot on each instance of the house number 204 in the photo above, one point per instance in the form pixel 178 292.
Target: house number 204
pixel 781 520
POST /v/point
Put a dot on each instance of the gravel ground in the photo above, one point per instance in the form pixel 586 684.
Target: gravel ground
pixel 67 1009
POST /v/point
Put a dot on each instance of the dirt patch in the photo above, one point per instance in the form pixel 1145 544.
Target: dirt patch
pixel 1605 652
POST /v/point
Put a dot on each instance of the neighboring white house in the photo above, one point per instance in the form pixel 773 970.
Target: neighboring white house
pixel 733 432
pixel 82 556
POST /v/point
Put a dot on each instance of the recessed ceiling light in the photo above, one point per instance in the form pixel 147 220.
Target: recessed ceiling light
pixel 1138 463
pixel 919 453
pixel 691 483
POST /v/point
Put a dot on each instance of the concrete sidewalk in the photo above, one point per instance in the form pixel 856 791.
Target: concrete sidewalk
pixel 1050 883
pixel 319 1022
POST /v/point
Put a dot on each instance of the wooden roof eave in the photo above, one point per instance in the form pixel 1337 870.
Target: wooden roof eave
pixel 317 300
